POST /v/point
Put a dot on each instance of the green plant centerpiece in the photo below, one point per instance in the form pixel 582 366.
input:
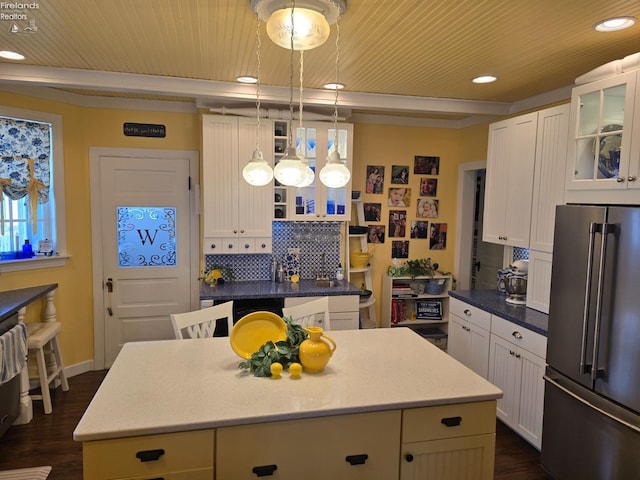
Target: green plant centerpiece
pixel 284 352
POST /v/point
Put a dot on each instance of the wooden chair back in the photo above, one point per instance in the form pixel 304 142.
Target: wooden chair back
pixel 314 313
pixel 202 323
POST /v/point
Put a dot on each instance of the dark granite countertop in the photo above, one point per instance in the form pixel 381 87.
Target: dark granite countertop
pixel 13 300
pixel 493 302
pixel 268 289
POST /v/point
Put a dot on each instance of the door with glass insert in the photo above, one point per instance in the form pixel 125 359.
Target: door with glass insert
pixel 145 247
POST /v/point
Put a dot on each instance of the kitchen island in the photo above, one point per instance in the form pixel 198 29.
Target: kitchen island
pixel 388 402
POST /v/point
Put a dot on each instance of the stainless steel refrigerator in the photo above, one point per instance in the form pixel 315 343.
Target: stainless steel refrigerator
pixel 591 426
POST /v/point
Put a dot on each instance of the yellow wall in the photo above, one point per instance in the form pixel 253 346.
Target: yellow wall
pixel 397 145
pixel 86 127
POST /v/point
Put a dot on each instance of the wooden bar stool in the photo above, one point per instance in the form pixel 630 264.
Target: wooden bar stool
pixel 41 338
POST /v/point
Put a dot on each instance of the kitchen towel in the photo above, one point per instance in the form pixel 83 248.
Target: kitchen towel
pixel 13 352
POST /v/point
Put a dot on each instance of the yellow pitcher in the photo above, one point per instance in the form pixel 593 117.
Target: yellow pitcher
pixel 314 352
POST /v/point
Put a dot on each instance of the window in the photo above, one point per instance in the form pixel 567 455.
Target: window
pixel 31 173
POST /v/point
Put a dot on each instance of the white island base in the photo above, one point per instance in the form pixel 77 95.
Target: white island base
pixel 388 406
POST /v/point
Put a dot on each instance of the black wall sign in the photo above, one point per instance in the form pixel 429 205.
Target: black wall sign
pixel 144 130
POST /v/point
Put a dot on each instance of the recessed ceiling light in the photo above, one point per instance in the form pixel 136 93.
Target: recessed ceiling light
pixel 614 24
pixel 333 86
pixel 484 79
pixel 9 55
pixel 247 79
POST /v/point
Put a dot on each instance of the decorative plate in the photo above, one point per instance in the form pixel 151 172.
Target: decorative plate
pixel 254 330
pixel 609 152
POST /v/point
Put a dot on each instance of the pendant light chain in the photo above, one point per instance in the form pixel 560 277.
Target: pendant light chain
pixel 293 7
pixel 258 82
pixel 301 87
pixel 335 104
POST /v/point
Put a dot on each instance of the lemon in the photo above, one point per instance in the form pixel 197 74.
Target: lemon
pixel 295 278
pixel 295 369
pixel 216 274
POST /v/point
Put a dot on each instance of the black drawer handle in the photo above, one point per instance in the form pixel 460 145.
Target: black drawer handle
pixel 150 455
pixel 357 459
pixel 408 457
pixel 451 421
pixel 264 470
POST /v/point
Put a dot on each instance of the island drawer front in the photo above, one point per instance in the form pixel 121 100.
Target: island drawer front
pixel 472 314
pixel 448 421
pixel 514 333
pixel 314 448
pixel 116 458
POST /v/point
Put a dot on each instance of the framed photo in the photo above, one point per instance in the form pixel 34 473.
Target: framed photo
pixel 399 197
pixel 375 179
pixel 426 165
pixel 428 187
pixel 419 229
pixel 400 249
pixel 438 236
pixel 372 212
pixel 400 174
pixel 397 223
pixel 376 234
pixel 429 310
pixel 427 208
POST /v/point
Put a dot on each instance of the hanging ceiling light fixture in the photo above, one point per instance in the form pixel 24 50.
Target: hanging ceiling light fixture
pixel 257 172
pixel 290 170
pixel 309 24
pixel 335 173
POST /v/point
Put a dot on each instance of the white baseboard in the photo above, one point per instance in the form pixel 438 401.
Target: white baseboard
pixel 78 368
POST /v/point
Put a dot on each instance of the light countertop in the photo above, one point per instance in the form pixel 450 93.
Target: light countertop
pixel 181 385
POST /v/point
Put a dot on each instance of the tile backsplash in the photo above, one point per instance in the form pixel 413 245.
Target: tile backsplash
pixel 312 238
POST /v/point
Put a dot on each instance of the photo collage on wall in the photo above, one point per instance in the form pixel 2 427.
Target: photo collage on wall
pixel 399 224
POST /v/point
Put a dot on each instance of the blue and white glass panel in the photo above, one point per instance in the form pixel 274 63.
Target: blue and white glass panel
pixel 146 236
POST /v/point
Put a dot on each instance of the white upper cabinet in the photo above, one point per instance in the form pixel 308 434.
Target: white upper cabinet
pixel 509 185
pixel 237 216
pixel 604 148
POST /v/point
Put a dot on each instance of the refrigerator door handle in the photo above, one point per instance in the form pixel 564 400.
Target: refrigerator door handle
pixel 606 229
pixel 590 405
pixel 593 228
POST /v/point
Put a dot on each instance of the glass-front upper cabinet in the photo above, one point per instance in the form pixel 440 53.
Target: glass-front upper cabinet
pixel 599 155
pixel 315 201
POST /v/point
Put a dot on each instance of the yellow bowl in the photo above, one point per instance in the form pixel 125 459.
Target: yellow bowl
pixel 359 259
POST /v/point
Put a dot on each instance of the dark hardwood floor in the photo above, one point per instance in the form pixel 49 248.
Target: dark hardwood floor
pixel 47 439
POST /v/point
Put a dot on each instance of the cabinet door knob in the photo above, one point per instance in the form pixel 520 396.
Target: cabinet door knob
pixel 467 312
pixel 517 335
pixel 242 230
pixel 357 459
pixel 235 231
pixel 631 178
pixel 511 352
pixel 246 245
pixel 517 355
pixel 264 470
pixel 620 179
pixel 150 455
pixel 231 245
pixel 264 245
pixel 213 245
pixel 408 457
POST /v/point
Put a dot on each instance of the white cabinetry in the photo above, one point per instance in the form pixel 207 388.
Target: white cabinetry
pixel 236 216
pixel 316 202
pixel 469 330
pixel 509 186
pixel 604 149
pixel 516 366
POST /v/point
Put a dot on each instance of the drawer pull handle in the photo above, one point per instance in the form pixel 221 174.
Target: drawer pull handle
pixel 451 421
pixel 150 455
pixel 467 312
pixel 264 470
pixel 408 457
pixel 517 335
pixel 357 459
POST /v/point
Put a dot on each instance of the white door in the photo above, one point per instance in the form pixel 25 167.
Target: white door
pixel 144 249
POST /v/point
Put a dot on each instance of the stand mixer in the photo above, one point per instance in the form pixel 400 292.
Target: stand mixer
pixel 516 282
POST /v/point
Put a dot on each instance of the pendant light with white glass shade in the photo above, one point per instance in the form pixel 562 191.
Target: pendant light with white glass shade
pixel 257 171
pixel 335 173
pixel 290 170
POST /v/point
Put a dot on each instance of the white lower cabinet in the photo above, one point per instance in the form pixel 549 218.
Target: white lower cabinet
pixel 449 442
pixel 469 336
pixel 516 366
pixel 344 310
